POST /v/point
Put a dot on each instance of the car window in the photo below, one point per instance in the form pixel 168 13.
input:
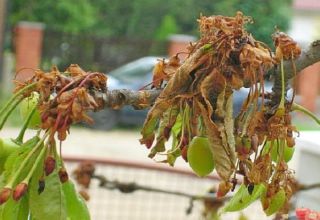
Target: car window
pixel 134 71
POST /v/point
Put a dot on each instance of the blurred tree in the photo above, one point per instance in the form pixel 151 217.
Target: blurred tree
pixel 105 34
pixel 168 26
pixel 142 18
pixel 71 16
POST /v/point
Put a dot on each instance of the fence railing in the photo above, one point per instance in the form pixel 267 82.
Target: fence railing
pixel 145 205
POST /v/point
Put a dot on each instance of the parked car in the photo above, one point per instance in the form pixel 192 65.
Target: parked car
pixel 134 76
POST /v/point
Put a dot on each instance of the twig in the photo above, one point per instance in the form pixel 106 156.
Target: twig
pixel 132 187
pixel 303 187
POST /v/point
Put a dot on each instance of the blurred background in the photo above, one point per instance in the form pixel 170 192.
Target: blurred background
pixel 124 39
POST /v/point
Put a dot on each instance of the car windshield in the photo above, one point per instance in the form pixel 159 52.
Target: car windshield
pixel 135 70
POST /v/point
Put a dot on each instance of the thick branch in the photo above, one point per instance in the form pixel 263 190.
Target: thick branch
pixel 118 98
pixel 307 58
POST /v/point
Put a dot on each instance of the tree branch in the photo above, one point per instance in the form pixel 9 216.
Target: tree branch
pixel 142 99
pixel 118 98
pixel 307 58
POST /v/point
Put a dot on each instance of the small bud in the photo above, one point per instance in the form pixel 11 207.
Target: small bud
pixel 41 185
pixel 166 132
pixel 265 203
pixel 19 191
pixel 184 153
pixel 4 195
pixel 290 141
pixel 63 175
pixel 250 188
pixel 223 189
pixel 185 140
pixel 49 165
pixel 148 142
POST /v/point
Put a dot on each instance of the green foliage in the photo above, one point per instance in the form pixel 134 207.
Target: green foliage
pixel 71 16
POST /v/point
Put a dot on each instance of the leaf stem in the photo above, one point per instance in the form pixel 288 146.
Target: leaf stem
pixel 297 107
pixel 35 165
pixel 12 103
pixel 10 109
pixel 25 161
pixel 19 138
pixel 281 108
pixel 12 99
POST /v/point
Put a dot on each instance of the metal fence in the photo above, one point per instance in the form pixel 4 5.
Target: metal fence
pixel 142 205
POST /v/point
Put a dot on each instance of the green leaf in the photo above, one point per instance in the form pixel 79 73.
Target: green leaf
pixel 15 210
pixel 176 128
pixel 76 206
pixel 276 203
pixel 51 203
pixel 243 199
pixel 15 159
pixel 172 156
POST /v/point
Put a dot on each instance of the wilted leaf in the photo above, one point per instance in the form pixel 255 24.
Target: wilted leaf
pixel 172 156
pixel 229 126
pixel 168 120
pixel 221 155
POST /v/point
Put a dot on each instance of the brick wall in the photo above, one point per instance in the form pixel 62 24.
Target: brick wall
pixel 28 48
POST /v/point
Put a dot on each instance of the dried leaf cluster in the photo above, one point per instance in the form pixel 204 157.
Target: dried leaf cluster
pixel 65 97
pixel 197 100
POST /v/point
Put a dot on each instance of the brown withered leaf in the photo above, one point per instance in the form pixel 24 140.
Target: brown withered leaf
pixel 169 118
pixel 158 74
pixel 75 70
pixel 177 85
pixel 224 163
pixel 181 80
pixel 229 126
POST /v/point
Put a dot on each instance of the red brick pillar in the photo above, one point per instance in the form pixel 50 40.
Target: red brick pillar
pixel 28 45
pixel 308 82
pixel 179 43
